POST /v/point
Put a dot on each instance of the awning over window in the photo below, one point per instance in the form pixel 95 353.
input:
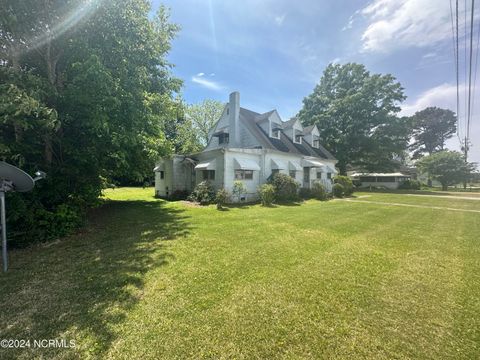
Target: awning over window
pixel 245 164
pixel 294 165
pixel 312 163
pixel 158 168
pixel 278 164
pixel 207 165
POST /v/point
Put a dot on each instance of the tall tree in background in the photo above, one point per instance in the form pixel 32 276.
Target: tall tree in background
pixel 447 167
pixel 355 113
pixel 203 116
pixel 432 127
pixel 86 94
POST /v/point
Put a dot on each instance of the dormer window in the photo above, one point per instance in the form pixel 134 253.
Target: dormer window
pixel 223 138
pixel 298 137
pixel 276 133
pixel 316 143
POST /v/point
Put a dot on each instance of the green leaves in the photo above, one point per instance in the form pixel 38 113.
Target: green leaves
pixel 448 167
pixel 431 128
pixel 354 111
pixel 89 103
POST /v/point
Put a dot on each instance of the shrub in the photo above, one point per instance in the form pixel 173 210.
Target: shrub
pixel 221 198
pixel 410 185
pixel 305 193
pixel 318 191
pixel 338 190
pixel 286 188
pixel 238 189
pixel 267 194
pixel 346 183
pixel 204 193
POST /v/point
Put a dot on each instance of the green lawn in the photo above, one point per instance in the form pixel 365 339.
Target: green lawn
pixel 148 279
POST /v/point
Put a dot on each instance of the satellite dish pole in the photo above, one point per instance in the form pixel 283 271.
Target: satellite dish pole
pixel 12 179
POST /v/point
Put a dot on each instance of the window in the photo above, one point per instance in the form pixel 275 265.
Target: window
pixel 319 175
pixel 223 138
pixel 243 174
pixel 298 139
pixel 275 171
pixel 329 176
pixel 316 143
pixel 276 134
pixel 162 174
pixel 292 173
pixel 208 174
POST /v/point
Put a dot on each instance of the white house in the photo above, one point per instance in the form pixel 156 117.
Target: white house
pixel 382 180
pixel 247 146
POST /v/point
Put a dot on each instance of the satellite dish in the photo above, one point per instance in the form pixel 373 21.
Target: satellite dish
pixel 12 179
pixel 19 179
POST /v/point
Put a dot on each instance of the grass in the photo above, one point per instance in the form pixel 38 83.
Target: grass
pixel 151 279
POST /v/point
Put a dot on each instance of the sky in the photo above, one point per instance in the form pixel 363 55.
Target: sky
pixel 274 51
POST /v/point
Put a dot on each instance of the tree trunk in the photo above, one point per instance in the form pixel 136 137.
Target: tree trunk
pixel 444 187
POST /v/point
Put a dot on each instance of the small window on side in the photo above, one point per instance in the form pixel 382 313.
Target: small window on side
pixel 292 173
pixel 162 175
pixel 275 171
pixel 329 176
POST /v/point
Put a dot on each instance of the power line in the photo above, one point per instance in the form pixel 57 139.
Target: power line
pixel 467 136
pixel 475 69
pixel 455 54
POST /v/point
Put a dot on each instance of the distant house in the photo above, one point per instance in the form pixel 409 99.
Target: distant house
pixel 250 147
pixel 386 180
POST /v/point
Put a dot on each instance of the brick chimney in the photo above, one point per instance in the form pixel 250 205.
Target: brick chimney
pixel 233 119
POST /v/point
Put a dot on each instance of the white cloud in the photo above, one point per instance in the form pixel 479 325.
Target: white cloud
pixel 336 60
pixel 200 74
pixel 349 24
pixel 405 23
pixel 444 96
pixel 279 19
pixel 429 55
pixel 209 84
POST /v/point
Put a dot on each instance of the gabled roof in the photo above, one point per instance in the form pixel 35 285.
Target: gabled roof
pixel 250 120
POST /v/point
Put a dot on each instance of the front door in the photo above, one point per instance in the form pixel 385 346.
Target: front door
pixel 306 177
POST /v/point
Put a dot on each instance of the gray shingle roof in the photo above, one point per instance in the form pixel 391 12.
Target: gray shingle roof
pixel 250 119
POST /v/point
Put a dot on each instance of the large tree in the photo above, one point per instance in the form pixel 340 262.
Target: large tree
pixel 447 167
pixel 86 94
pixel 431 128
pixel 203 116
pixel 355 112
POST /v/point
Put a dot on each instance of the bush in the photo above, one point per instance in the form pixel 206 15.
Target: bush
pixel 410 185
pixel 338 190
pixel 204 193
pixel 238 189
pixel 305 193
pixel 221 198
pixel 318 191
pixel 346 183
pixel 266 193
pixel 286 188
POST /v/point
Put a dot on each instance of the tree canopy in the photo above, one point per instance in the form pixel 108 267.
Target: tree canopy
pixel 355 112
pixel 86 95
pixel 203 116
pixel 431 128
pixel 447 167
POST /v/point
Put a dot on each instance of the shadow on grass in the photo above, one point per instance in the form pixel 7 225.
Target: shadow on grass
pixel 88 282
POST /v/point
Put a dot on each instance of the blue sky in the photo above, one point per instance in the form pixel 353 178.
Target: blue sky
pixel 274 51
